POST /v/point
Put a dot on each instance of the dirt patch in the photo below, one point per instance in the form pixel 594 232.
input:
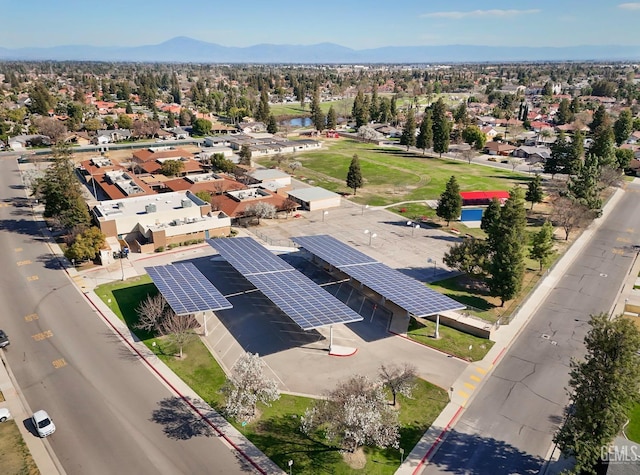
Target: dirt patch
pixel 15 456
pixel 356 460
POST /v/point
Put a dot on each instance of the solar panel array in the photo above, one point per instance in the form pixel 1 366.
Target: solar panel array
pixel 185 289
pixel 308 305
pixel 241 253
pixel 408 293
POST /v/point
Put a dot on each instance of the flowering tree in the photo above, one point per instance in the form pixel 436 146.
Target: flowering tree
pixel 354 414
pixel 247 386
pixel 399 379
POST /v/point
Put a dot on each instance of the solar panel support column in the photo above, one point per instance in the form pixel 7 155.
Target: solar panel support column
pixel 436 334
pixel 330 338
pixel 204 323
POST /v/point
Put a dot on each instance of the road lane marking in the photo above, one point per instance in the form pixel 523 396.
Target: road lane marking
pixel 619 252
pixel 31 278
pixel 630 230
pixel 5 205
pixel 31 317
pixel 624 239
pixel 42 335
pixel 18 249
pixel 475 378
pixel 59 363
pixel 469 386
pixel 23 263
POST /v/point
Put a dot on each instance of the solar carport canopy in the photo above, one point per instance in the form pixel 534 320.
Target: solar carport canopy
pixel 409 294
pixel 308 305
pixel 186 289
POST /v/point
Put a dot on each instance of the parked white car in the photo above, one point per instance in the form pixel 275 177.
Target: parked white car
pixel 43 423
pixel 4 414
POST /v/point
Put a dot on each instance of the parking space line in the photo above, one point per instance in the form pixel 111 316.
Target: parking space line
pixel 18 249
pixel 31 278
pixel 23 263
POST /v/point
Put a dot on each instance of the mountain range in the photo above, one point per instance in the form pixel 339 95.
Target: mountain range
pixel 187 50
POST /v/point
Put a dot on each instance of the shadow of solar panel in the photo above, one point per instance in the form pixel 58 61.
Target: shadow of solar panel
pixel 248 256
pixel 330 250
pixel 186 289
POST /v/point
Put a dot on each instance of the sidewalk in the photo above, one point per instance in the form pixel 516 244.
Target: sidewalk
pixel 40 449
pixel 471 380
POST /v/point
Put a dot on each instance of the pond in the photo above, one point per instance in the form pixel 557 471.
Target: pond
pixel 298 122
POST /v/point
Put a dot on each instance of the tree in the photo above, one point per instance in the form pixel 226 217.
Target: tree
pixel 569 214
pixel 600 117
pixel 171 167
pixel 441 128
pixel 603 390
pixel 60 191
pixel 124 121
pixel 491 215
pixel 358 111
pixel 317 116
pixel 564 115
pixel 178 329
pixel 623 158
pixel 559 150
pixel 425 134
pixel 261 210
pixel 201 127
pixel 332 121
pixel 52 128
pixel 245 155
pixel 542 245
pixel 204 195
pixel 506 248
pixel 408 136
pixel 92 125
pixel 221 163
pixel 247 386
pixel 603 145
pixel 584 185
pixel 272 125
pixel 398 379
pixel 354 414
pixel 264 111
pixel 574 154
pixel 41 100
pixel 623 126
pixel 289 206
pixel 467 256
pixel 474 137
pixel 150 313
pixel 534 192
pixel 354 175
pixel 86 245
pixel 450 202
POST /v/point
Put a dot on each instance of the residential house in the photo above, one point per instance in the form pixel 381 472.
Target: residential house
pixel 499 148
pixel 489 132
pixel 532 155
pixel 111 136
pixel 21 142
pixel 249 127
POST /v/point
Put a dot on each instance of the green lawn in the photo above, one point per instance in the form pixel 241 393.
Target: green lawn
pixel 633 429
pixel 276 432
pixel 450 341
pixel 292 109
pixel 392 175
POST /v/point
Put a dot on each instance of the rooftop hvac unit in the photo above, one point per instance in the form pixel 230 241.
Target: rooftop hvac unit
pixel 150 208
pixel 120 204
pixel 186 203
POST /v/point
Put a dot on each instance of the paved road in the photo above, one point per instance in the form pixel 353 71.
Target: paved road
pixel 65 360
pixel 509 425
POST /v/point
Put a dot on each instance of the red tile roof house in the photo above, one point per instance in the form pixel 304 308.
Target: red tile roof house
pixel 234 203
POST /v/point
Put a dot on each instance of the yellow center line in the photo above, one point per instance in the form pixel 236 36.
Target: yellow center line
pixel 59 363
pixel 42 335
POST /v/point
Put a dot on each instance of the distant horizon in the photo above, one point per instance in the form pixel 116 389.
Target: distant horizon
pixel 356 24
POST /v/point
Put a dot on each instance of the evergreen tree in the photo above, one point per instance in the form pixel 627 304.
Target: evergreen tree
pixel 317 116
pixel 450 202
pixel 534 192
pixel 264 111
pixel 542 245
pixel 440 128
pixel 623 126
pixel 584 185
pixel 506 246
pixel 408 136
pixel 603 389
pixel 272 125
pixel 374 106
pixel 491 215
pixel 558 157
pixel 393 109
pixel 332 121
pixel 171 119
pixel 600 117
pixel 358 111
pixel 603 145
pixel 175 90
pixel 574 154
pixel 564 115
pixel 128 109
pixel 354 175
pixel 245 155
pixel 425 135
pixel 41 100
pixel 474 137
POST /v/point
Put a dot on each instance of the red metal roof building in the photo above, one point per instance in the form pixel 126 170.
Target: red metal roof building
pixel 470 198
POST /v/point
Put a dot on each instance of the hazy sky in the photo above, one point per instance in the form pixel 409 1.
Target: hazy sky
pixel 358 24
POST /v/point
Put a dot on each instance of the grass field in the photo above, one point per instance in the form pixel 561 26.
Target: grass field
pixel 633 429
pixel 293 109
pixel 15 458
pixel 276 432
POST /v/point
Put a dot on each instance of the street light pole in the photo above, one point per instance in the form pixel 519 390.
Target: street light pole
pixel 371 235
pixel 363 208
pixel 324 213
